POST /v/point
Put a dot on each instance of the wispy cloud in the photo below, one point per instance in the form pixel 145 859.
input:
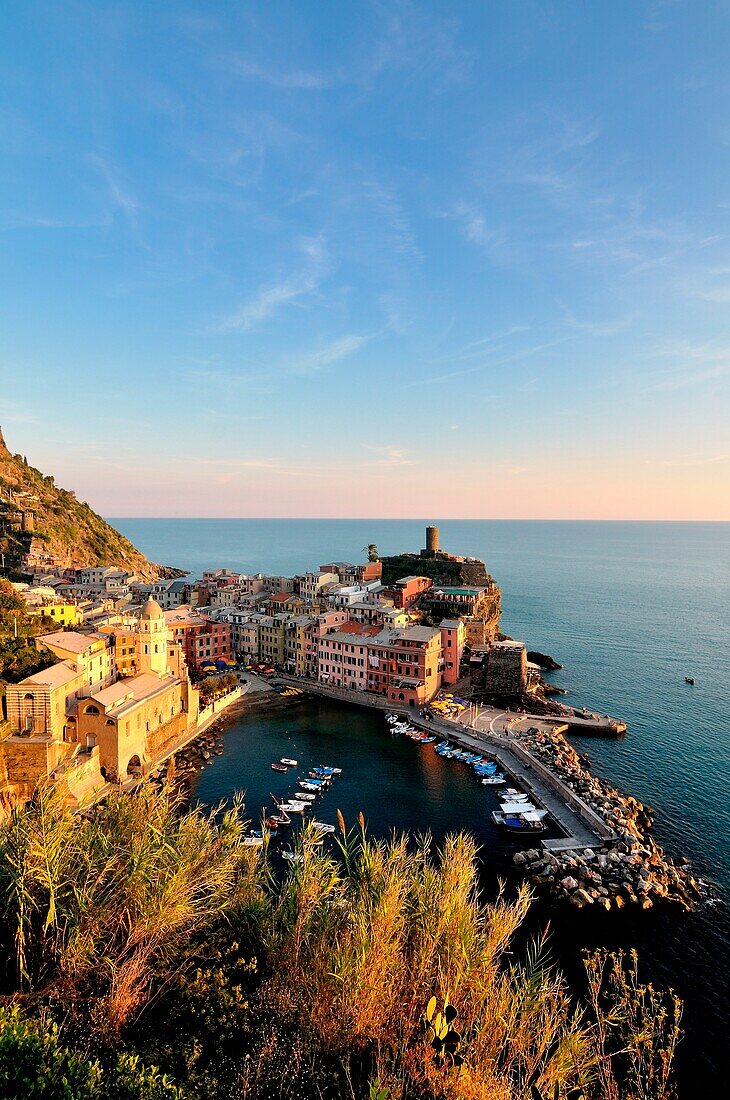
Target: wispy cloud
pixel 292 79
pixel 267 300
pixel 392 456
pixel 690 460
pixel 693 365
pixel 487 364
pixel 473 225
pixel 328 354
pixel 125 202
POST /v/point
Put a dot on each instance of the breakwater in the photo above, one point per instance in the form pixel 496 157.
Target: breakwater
pixel 607 855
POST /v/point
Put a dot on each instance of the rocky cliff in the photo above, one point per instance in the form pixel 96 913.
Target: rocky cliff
pixel 36 515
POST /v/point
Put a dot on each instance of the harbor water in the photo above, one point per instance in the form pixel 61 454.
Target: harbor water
pixel 629 609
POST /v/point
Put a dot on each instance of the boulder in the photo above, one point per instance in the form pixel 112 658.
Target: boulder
pixel 581 898
pixel 569 883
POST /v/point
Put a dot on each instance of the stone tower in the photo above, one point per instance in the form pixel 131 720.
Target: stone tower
pixel 432 539
pixel 152 639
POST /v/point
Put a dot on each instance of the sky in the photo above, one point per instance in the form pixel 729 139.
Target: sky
pixel 369 259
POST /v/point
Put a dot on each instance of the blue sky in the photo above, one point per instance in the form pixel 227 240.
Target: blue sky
pixel 466 259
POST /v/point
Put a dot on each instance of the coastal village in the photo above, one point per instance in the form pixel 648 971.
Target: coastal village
pixel 136 667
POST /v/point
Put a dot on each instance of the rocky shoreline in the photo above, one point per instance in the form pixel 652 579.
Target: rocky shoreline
pixel 633 869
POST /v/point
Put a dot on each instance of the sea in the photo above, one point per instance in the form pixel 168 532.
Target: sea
pixel 629 610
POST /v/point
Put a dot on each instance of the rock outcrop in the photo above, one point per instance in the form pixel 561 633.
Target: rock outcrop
pixel 49 523
pixel 631 869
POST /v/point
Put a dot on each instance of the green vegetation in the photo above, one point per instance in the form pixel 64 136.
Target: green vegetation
pixel 18 654
pixel 440 570
pixel 213 686
pixel 144 936
pixel 68 528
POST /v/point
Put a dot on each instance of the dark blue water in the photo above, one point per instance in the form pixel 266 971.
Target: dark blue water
pixel 629 609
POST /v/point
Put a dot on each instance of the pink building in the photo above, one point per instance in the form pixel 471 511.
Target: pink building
pixel 452 648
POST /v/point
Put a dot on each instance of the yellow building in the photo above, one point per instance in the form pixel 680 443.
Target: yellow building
pixel 78 723
pixel 65 614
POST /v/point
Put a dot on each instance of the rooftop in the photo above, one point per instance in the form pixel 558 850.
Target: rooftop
pixel 53 677
pixel 70 641
pixel 125 694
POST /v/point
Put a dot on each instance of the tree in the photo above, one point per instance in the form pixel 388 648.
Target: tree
pixel 372 552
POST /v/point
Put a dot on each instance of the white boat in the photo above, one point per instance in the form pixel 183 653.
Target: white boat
pixel 306 785
pixel 304 796
pixel 292 857
pixel 522 808
pixel 518 823
pixel 493 781
pixel 289 763
pixel 323 827
pixel 293 807
pixel 253 841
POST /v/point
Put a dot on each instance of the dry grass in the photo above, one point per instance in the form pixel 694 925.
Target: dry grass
pixel 353 946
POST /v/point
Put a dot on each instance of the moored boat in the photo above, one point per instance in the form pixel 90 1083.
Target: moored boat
pixel 279 768
pixel 323 827
pixel 493 781
pixel 289 763
pixel 525 822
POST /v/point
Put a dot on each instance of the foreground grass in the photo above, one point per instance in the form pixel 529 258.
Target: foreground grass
pixel 150 954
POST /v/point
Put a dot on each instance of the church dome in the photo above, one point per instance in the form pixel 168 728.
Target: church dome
pixel 152 610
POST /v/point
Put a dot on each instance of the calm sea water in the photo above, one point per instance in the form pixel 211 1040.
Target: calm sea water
pixel 630 609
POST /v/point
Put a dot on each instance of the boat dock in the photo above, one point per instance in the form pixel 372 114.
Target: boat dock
pixel 581 825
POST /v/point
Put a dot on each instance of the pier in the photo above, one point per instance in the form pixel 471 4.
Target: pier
pixel 581 825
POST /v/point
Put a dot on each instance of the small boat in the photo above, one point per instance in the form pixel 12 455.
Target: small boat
pixel 427 740
pixel 311 785
pixel 690 680
pixel 318 777
pixel 253 841
pixel 323 827
pixel 292 857
pixel 493 781
pixel 279 768
pixel 289 763
pixel 518 823
pixel 303 796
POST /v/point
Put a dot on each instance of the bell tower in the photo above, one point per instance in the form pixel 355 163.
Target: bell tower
pixel 152 639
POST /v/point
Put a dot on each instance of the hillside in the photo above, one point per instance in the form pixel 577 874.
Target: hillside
pixel 38 516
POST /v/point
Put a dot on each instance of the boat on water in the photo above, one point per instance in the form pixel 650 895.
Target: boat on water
pixel 293 806
pixel 493 781
pixel 292 857
pixel 516 805
pixel 525 822
pixel 690 680
pixel 279 768
pixel 289 763
pixel 318 777
pixel 315 785
pixel 304 796
pixel 323 827
pixel 253 841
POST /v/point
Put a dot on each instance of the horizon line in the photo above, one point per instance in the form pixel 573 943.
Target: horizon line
pixel 421 519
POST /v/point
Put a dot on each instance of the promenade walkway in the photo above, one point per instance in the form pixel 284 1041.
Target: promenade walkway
pixel 581 825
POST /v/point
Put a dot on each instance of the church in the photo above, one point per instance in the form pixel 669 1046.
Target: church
pixel 113 704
